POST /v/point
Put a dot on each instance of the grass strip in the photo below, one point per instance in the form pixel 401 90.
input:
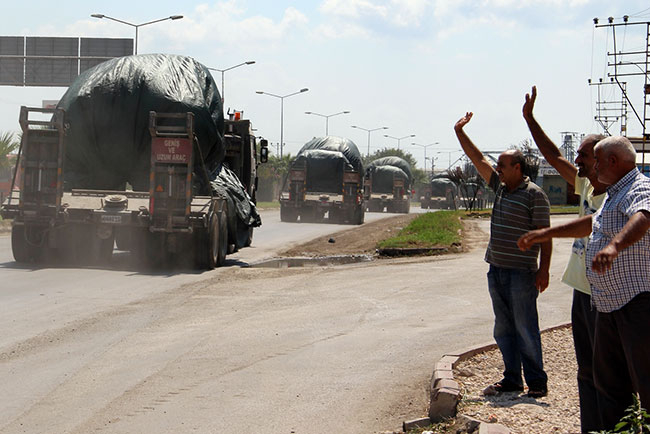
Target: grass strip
pixel 432 229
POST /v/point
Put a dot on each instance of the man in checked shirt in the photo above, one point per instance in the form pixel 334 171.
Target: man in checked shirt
pixel 618 269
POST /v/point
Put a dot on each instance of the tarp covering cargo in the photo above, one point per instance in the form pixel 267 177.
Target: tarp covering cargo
pixel 228 185
pixel 441 186
pixel 336 144
pixel 384 170
pixel 383 176
pixel 394 161
pixel 107 109
pixel 324 169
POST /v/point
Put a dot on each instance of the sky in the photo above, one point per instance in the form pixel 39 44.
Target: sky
pixel 414 66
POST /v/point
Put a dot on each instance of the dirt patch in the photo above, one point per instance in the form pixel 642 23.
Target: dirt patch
pixel 356 240
pixel 363 239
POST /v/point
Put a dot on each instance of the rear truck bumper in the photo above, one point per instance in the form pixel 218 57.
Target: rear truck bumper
pixel 130 210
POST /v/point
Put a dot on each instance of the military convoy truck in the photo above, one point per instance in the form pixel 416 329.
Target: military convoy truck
pixel 439 193
pixel 387 185
pixel 193 176
pixel 326 178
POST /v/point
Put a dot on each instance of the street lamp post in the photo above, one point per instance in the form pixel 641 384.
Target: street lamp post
pixel 399 139
pixel 369 131
pixel 137 26
pixel 425 151
pixel 327 118
pixel 444 152
pixel 222 71
pixel 282 97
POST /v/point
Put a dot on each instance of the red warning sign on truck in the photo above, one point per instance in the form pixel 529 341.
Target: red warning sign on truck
pixel 171 150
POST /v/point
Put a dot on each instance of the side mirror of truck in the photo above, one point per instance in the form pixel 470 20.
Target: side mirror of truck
pixel 264 151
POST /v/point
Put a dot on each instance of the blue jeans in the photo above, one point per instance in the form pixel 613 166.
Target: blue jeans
pixel 516 328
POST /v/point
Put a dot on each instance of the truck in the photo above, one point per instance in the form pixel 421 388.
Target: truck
pixel 326 178
pixel 387 185
pixel 194 210
pixel 439 193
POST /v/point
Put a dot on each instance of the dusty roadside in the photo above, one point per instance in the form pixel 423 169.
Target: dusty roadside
pixel 364 239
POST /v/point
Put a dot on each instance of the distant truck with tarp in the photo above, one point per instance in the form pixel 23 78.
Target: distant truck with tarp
pixel 439 193
pixel 326 178
pixel 137 154
pixel 387 185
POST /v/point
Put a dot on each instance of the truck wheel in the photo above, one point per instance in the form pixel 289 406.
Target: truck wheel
pixel 207 245
pixel 307 215
pixel 333 215
pixel 19 247
pixel 223 240
pixel 105 249
pixel 249 239
pixel 359 216
pixel 288 214
pixel 123 238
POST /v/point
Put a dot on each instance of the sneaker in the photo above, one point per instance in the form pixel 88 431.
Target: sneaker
pixel 502 387
pixel 537 392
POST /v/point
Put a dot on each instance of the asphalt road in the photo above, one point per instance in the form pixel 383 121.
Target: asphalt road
pixel 326 349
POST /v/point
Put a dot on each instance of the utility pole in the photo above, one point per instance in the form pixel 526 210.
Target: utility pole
pixel 631 63
pixel 570 142
pixel 608 112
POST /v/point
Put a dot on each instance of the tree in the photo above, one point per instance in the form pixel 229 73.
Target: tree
pixel 8 144
pixel 272 175
pixel 532 158
pixel 469 183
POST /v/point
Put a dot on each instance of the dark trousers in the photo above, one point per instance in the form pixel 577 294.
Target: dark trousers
pixel 516 328
pixel 583 322
pixel 622 358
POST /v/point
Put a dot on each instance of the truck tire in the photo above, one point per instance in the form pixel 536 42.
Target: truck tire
pixel 334 215
pixel 307 215
pixel 288 214
pixel 105 249
pixel 123 238
pixel 359 216
pixel 207 244
pixel 19 246
pixel 223 240
pixel 249 239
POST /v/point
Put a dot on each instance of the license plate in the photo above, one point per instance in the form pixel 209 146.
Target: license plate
pixel 115 219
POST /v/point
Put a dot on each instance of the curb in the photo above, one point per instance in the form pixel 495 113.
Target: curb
pixel 445 391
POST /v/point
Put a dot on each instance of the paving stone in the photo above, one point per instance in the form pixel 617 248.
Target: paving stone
pixel 440 374
pixel 416 423
pixel 449 358
pixel 443 403
pixel 448 384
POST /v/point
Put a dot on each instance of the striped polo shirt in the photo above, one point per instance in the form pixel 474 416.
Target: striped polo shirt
pixel 515 213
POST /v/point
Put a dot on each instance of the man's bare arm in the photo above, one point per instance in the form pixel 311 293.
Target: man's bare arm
pixel 632 232
pixel 546 146
pixel 483 166
pixel 578 228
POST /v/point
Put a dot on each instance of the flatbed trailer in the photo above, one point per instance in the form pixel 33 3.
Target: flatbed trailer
pixel 81 226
